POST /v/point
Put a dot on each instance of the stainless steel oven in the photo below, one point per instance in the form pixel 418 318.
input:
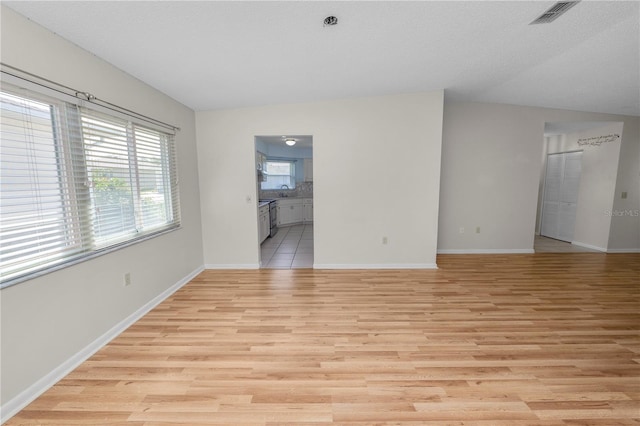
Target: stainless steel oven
pixel 273 217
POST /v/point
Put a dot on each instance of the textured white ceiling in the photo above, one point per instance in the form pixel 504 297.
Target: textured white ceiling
pixel 215 54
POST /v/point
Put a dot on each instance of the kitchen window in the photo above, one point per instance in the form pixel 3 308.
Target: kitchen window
pixel 280 174
pixel 77 183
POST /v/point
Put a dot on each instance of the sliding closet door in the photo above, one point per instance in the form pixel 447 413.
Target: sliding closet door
pixel 551 200
pixel 561 185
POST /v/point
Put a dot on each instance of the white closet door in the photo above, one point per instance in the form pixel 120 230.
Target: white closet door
pixel 566 221
pixel 569 195
pixel 562 182
pixel 571 177
pixel 551 200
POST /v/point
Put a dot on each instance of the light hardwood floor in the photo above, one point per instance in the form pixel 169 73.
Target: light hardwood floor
pixel 485 340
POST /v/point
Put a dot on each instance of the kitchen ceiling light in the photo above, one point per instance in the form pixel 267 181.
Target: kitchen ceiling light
pixel 290 142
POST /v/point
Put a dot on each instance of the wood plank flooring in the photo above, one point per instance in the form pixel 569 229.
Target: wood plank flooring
pixel 542 339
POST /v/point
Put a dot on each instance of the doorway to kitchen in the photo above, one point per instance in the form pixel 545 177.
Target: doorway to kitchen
pixel 284 184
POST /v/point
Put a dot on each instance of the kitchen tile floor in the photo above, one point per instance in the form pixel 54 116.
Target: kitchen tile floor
pixel 291 248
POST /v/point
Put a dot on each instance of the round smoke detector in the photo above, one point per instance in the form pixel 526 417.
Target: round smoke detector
pixel 330 20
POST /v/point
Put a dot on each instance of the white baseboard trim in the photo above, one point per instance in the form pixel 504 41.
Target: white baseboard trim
pixel 624 250
pixel 24 398
pixel 375 266
pixel 485 251
pixel 232 266
pixel 589 246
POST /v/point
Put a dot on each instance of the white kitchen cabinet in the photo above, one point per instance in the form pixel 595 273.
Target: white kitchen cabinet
pixel 308 169
pixel 263 222
pixel 289 211
pixel 283 213
pixel 264 227
pixel 261 159
pixel 307 210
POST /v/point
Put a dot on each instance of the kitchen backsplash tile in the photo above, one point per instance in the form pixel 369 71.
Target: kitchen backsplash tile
pixel 302 190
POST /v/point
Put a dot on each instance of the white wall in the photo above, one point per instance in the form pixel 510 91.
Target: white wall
pixel 48 320
pixel 376 173
pixel 491 171
pixel 624 234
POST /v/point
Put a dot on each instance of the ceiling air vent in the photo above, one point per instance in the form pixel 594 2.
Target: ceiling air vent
pixel 554 11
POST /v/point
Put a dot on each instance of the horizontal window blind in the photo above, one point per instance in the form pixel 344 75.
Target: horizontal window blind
pixel 36 228
pixel 111 176
pixel 77 182
pixel 154 152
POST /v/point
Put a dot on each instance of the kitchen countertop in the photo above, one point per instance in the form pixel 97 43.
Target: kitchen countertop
pixel 264 203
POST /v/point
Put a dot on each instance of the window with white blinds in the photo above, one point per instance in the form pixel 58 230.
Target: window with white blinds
pixel 280 174
pixel 76 182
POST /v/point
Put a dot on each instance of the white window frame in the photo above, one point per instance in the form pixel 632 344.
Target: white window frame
pixel 291 175
pixel 75 188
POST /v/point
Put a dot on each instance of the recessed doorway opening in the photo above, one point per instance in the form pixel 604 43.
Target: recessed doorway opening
pixel 577 186
pixel 284 185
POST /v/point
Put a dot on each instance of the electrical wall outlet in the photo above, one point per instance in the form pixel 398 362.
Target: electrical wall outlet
pixel 385 240
pixel 127 279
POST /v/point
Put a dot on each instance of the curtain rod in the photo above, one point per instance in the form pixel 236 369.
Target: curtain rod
pixel 85 96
